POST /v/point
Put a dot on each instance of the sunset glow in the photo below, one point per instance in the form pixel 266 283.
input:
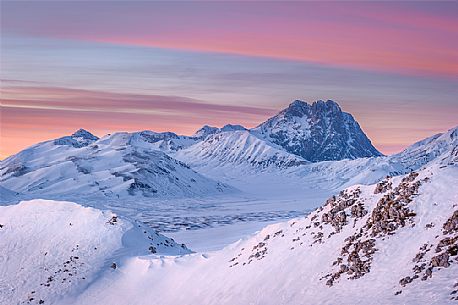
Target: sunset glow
pixel 114 66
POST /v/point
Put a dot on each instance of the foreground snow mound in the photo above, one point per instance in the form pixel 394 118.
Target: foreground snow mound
pixel 116 166
pixel 53 248
pixel 395 242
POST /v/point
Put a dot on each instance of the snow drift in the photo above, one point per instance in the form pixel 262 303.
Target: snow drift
pixel 49 249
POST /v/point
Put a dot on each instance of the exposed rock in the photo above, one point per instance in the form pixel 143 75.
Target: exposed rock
pixel 391 212
pixel 405 281
pixel 451 225
pixel 383 186
pixel 337 216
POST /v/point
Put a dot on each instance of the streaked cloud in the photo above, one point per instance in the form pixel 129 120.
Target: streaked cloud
pixel 41 113
pixel 407 38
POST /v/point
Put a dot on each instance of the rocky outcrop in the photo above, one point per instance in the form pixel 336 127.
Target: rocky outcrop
pixel 445 254
pixel 390 213
pixel 337 216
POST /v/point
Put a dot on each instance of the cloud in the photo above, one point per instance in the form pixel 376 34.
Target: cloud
pixel 66 99
pixel 408 39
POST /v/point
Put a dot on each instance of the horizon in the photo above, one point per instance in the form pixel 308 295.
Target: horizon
pixel 67 65
pixel 100 135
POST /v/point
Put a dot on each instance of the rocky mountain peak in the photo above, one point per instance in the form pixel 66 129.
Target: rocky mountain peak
pixel 299 108
pixel 82 133
pixel 78 139
pixel 320 131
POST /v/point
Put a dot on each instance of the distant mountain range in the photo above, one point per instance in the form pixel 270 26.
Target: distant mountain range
pixel 166 165
pixel 117 165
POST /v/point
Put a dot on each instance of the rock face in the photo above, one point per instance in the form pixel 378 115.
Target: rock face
pixel 317 132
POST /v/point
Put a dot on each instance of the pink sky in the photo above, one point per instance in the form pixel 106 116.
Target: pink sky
pixel 111 66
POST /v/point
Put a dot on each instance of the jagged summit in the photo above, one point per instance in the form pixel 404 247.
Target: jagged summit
pixel 300 108
pixel 320 131
pixel 83 133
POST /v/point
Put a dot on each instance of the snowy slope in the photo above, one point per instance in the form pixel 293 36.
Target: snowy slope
pixel 326 175
pixel 391 243
pixel 50 248
pixel 317 132
pixel 117 165
pixel 442 148
pixel 7 195
pixel 237 148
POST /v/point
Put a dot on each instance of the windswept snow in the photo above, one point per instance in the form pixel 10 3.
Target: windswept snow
pixel 49 249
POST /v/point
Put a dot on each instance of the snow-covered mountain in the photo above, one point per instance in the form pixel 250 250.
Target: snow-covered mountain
pixel 395 242
pixel 442 148
pixel 49 249
pixel 317 132
pixel 237 148
pixel 8 195
pixel 250 162
pixel 299 133
pixel 117 165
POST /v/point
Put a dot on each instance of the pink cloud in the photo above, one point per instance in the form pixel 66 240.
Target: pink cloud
pixel 372 36
pixel 32 114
